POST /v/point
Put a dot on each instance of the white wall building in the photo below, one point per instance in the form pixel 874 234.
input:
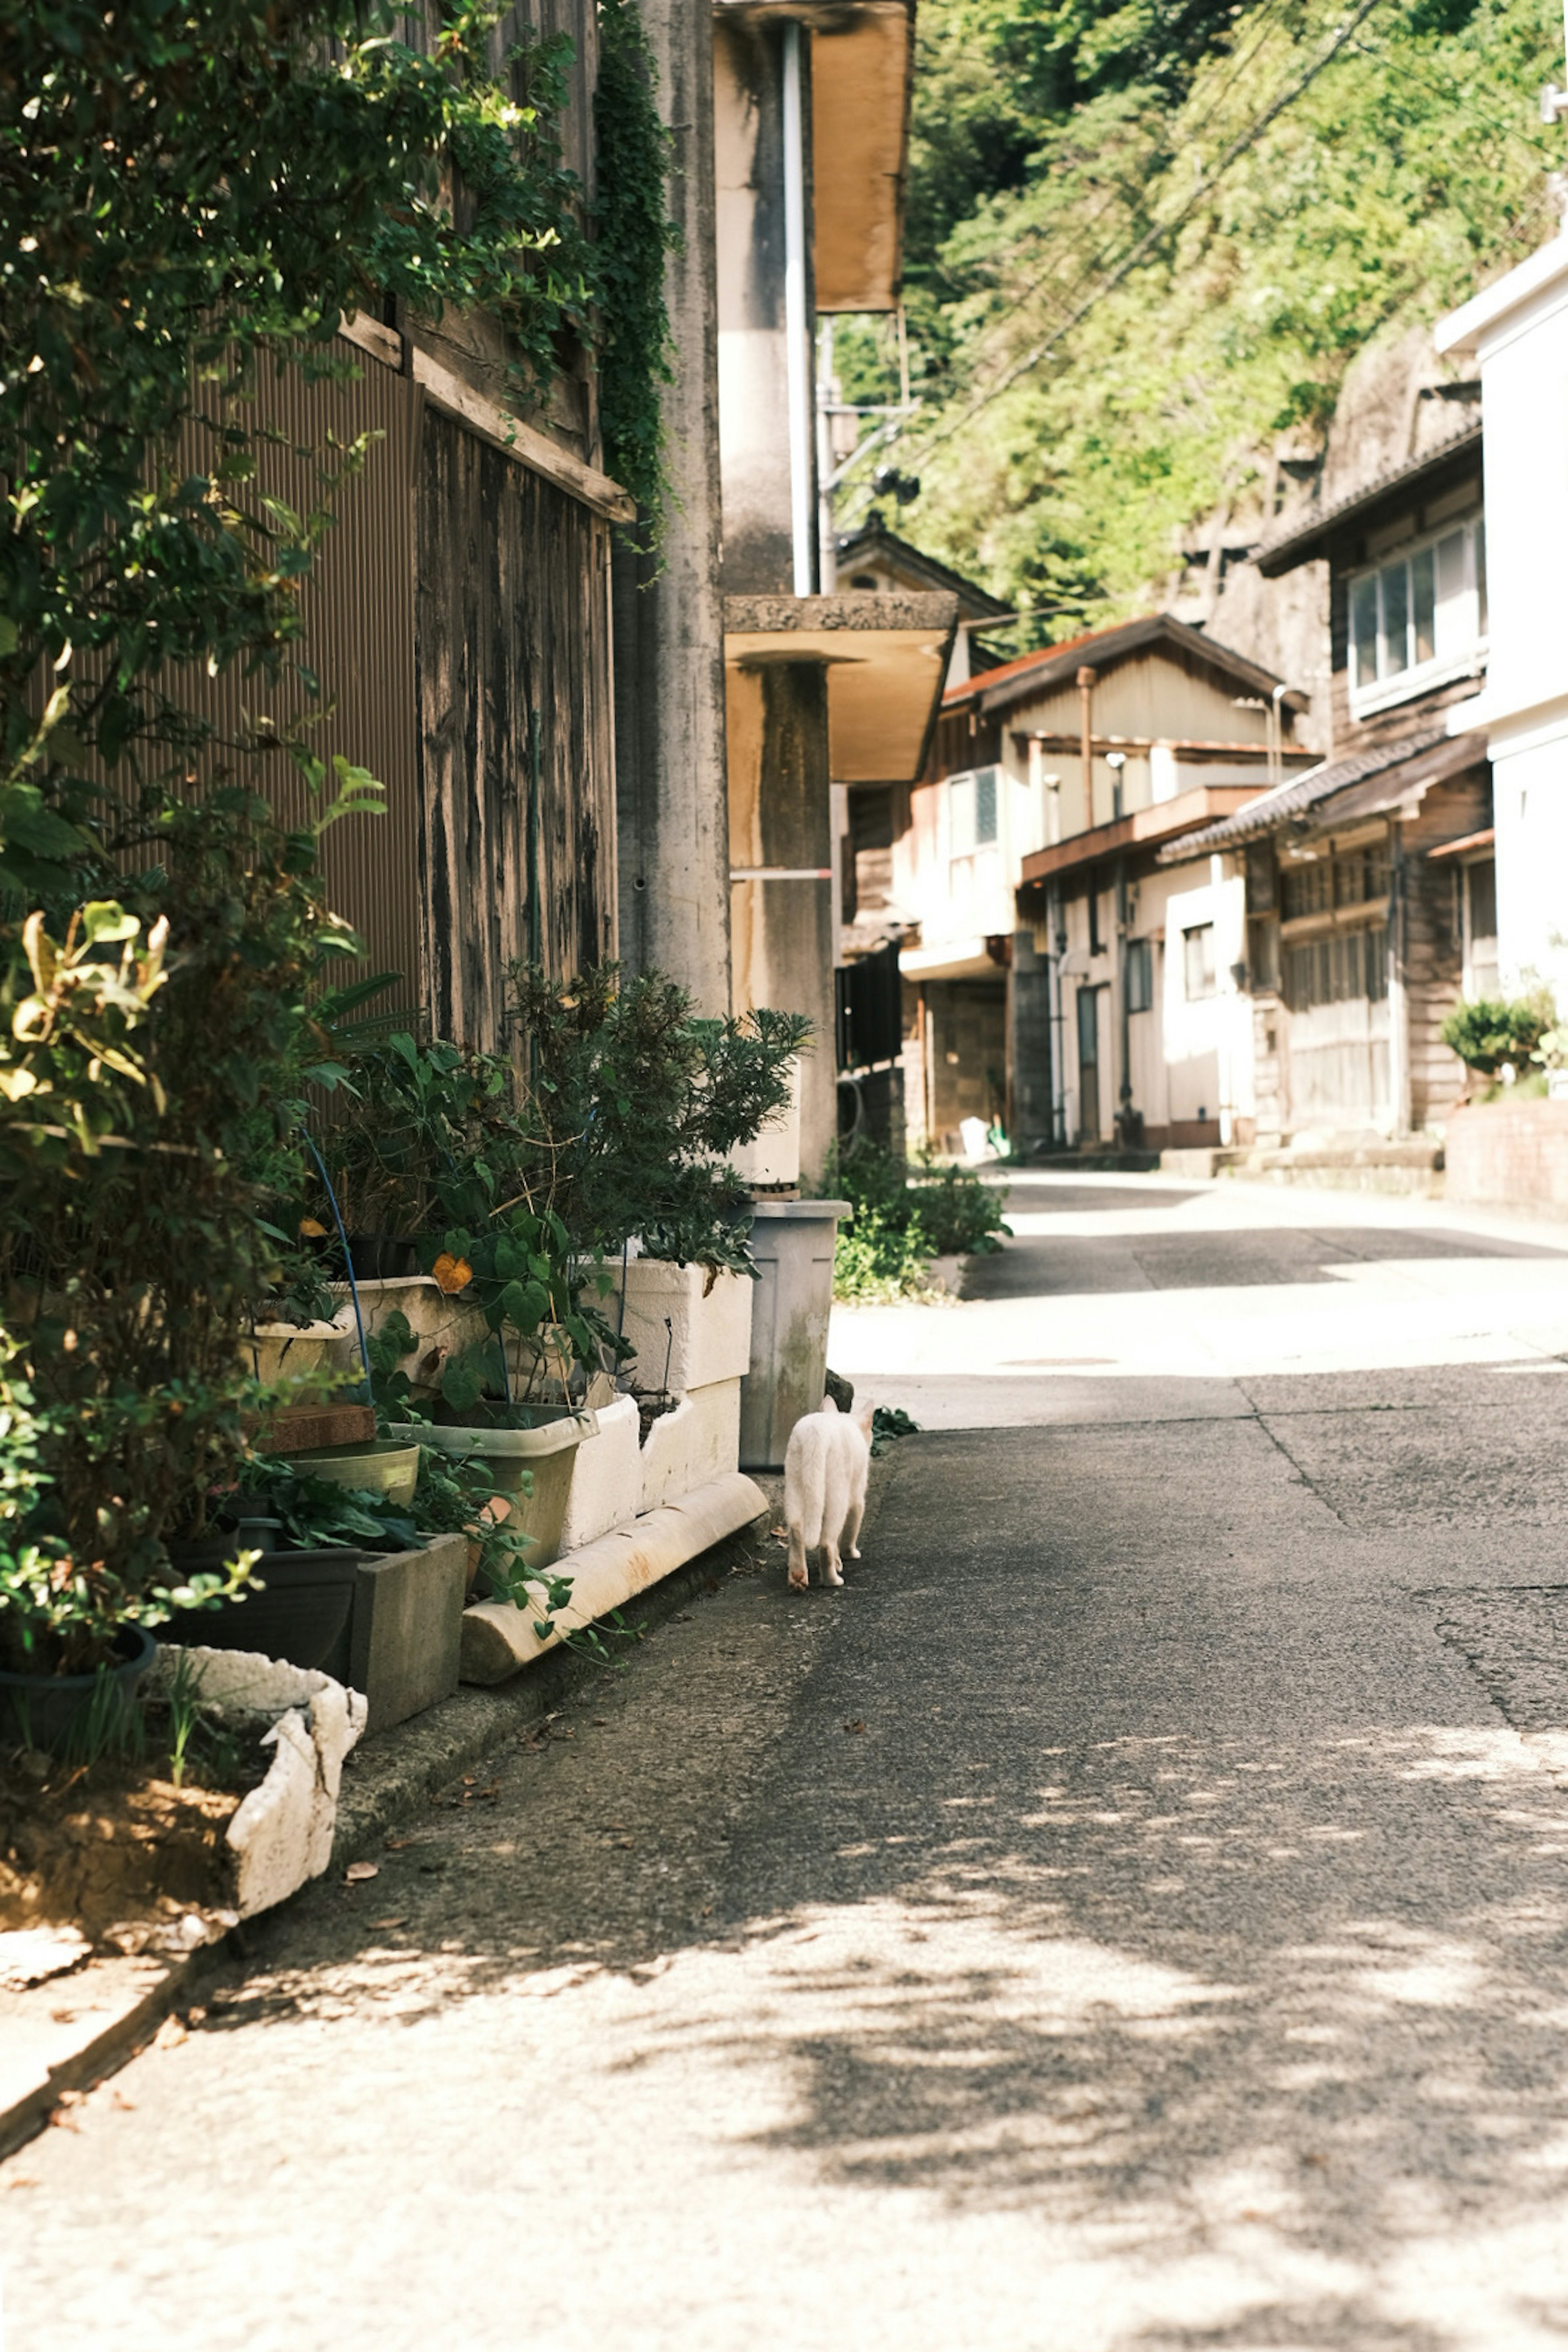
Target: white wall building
pixel 1518 332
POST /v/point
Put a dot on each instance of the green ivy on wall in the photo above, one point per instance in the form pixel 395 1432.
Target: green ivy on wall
pixel 633 234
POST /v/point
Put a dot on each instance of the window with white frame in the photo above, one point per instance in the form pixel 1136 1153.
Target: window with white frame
pixel 1419 615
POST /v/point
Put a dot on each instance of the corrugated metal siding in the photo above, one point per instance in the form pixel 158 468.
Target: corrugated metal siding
pixel 357 604
pixel 512 634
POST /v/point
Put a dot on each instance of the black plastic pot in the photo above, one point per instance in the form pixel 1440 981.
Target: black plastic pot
pixel 302 1615
pixel 42 1710
pixel 383 1257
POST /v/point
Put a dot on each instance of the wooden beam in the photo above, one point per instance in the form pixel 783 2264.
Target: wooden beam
pixel 524 442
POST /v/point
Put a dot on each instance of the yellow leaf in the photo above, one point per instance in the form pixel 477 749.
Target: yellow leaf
pixel 452 1274
pixel 313 1228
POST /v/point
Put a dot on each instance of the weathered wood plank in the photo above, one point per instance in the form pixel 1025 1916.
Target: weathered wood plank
pixel 514 668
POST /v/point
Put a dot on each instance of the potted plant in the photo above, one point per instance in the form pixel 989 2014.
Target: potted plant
pixel 639 1106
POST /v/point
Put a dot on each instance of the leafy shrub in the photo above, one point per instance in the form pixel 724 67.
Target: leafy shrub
pixel 636 1104
pixel 901 1222
pixel 1495 1030
pixel 876 1260
pixel 131 1250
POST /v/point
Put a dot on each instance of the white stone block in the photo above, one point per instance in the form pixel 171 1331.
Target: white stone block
pixel 607 1477
pixel 699 1442
pixel 281 1834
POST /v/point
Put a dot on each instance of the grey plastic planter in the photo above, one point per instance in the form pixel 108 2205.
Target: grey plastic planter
pixel 792 1242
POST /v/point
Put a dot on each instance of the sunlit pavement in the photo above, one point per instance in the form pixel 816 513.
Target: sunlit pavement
pixel 1132 1914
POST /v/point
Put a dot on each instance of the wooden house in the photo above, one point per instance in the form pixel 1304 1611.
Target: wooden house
pixel 1037 973
pixel 1370 887
pixel 458 617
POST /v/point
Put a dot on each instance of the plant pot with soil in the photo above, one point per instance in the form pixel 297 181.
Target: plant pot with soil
pixel 64 1713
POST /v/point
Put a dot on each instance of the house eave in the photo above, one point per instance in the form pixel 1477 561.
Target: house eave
pixel 1147 828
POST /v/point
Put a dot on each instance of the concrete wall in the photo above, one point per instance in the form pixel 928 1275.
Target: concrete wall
pixel 1508 1152
pixel 671 806
pixel 1518 330
pixel 783 929
pixel 754 377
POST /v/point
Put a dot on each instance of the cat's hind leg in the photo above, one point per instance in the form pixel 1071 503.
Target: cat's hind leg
pixel 798 1579
pixel 832 1566
pixel 852 1526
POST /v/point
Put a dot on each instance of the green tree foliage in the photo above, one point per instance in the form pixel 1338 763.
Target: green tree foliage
pixel 1067 161
pixel 190 197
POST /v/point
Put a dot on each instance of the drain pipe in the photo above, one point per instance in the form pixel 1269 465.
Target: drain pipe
pixel 797 331
pixel 1087 679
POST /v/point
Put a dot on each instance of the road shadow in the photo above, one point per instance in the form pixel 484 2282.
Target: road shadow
pixel 1100 1868
pixel 1038 1266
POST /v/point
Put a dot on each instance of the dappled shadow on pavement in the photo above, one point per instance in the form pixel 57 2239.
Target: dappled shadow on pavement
pixel 1187 1914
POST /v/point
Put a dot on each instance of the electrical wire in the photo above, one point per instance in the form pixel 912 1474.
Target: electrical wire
pixel 1153 237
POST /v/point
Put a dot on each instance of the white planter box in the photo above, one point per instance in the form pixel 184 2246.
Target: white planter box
pixel 607 1477
pixel 447 1325
pixel 442 1326
pixel 699 1442
pixel 709 1317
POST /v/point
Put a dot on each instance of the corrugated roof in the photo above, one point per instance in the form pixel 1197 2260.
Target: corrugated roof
pixel 1036 672
pixel 1433 747
pixel 1304 537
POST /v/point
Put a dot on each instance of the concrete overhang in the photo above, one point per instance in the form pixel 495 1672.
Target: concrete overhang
pixel 950 959
pixel 862 74
pixel 886 657
pixel 1146 828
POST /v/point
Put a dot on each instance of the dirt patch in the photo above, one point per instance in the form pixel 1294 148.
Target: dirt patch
pixel 114 1848
pixel 649 1410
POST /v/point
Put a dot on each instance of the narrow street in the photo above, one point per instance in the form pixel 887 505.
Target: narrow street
pixel 1131 1916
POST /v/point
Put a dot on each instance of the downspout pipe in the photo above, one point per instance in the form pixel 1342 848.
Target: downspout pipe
pixel 797 324
pixel 1087 679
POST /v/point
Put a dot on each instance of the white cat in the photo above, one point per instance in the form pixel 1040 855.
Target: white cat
pixel 827 1464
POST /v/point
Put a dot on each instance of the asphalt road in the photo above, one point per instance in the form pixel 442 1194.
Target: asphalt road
pixel 1134 1914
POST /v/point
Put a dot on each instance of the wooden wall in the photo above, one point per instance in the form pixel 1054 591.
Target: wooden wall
pixel 513 644
pixel 1432 937
pixel 356 604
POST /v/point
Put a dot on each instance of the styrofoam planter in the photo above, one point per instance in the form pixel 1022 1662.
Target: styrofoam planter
pixel 281 1834
pixel 710 1315
pixel 607 1477
pixel 283 1352
pixel 448 1325
pixel 440 1325
pixel 696 1444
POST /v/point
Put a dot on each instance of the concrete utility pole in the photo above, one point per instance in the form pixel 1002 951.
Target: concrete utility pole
pixel 672 802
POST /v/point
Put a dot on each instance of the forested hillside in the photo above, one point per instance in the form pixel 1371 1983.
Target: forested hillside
pixel 1144 243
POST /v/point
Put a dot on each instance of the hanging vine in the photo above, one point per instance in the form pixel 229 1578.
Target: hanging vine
pixel 633 235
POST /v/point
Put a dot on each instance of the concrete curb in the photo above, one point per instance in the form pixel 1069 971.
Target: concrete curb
pixel 109 2042
pixel 500 1638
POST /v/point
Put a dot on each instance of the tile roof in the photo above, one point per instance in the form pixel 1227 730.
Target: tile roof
pixel 1302 538
pixel 1300 794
